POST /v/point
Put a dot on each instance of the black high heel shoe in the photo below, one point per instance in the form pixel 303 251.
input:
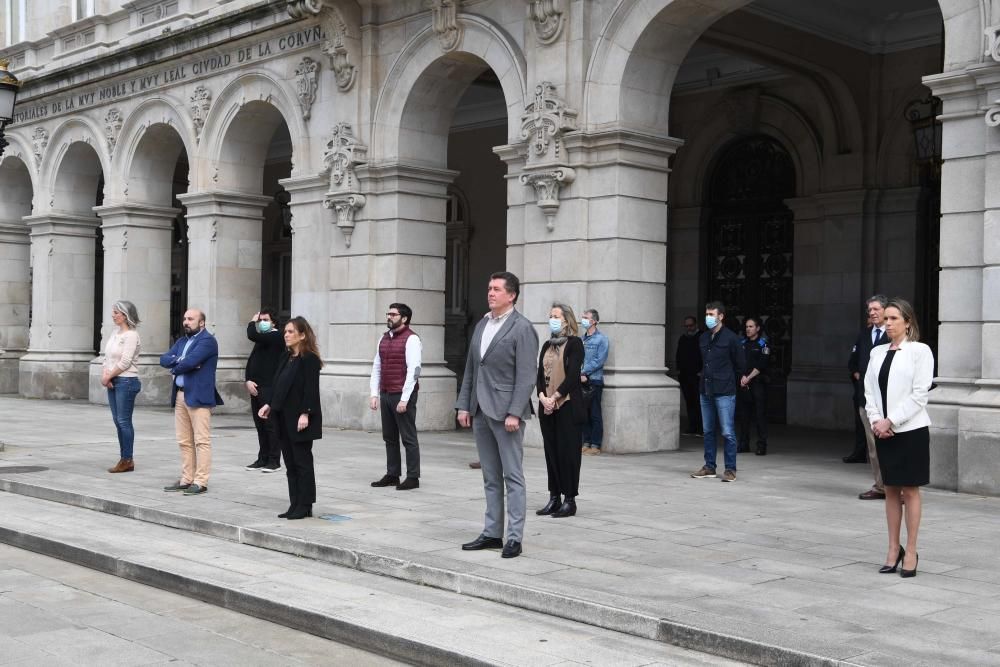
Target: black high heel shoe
pixel 906 574
pixel 885 569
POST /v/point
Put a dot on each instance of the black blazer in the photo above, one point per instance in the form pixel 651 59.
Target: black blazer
pixel 858 362
pixel 302 398
pixel 573 366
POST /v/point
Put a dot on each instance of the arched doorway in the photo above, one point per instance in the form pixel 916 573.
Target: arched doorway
pixel 749 260
pixel 17 195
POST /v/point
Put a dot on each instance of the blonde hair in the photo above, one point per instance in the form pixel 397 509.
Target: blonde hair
pixel 909 316
pixel 571 323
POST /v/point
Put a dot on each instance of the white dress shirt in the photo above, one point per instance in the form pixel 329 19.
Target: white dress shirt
pixel 414 349
pixel 493 325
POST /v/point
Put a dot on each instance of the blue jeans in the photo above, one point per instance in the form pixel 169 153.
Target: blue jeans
pixel 725 408
pixel 122 401
pixel 593 429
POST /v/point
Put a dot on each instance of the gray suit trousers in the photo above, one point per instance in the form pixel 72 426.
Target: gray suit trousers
pixel 501 456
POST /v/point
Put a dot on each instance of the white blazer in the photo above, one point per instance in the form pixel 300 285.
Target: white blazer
pixel 910 378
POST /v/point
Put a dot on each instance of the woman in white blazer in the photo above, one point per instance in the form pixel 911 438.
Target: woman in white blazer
pixel 896 385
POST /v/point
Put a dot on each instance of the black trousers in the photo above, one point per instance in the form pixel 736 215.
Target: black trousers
pixel 563 439
pixel 269 450
pixel 689 388
pixel 298 464
pixel 751 407
pixel 860 439
pixel 396 426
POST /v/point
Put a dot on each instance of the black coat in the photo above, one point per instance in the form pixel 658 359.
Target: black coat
pixel 268 348
pixel 688 356
pixel 858 362
pixel 573 366
pixel 724 363
pixel 297 382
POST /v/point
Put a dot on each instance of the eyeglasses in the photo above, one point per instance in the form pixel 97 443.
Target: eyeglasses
pixel 392 315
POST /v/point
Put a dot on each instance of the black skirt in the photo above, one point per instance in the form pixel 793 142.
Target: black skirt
pixel 905 458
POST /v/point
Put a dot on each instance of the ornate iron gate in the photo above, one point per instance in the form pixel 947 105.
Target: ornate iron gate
pixel 750 249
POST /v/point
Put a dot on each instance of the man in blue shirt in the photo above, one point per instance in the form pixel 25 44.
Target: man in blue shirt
pixel 723 364
pixel 595 345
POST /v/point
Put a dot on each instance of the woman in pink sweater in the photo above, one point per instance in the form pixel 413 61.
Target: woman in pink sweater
pixel 121 377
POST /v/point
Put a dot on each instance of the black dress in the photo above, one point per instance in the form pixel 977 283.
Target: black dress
pixel 904 459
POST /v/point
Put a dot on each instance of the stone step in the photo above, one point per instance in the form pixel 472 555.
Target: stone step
pixel 417 624
pixel 749 641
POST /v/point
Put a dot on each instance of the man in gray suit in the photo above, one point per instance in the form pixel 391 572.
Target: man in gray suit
pixel 495 400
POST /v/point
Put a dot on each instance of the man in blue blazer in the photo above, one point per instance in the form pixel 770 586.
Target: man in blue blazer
pixel 192 361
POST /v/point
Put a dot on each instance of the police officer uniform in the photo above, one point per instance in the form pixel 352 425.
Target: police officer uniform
pixel 751 402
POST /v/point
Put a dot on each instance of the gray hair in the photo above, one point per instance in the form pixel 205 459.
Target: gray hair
pixel 593 311
pixel 882 300
pixel 127 308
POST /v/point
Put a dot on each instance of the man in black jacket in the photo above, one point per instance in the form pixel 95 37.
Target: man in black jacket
pixel 723 363
pixel 688 360
pixel 864 440
pixel 268 345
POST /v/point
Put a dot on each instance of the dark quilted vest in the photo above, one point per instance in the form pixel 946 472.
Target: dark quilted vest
pixel 392 353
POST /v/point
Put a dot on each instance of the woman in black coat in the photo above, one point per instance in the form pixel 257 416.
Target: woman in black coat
pixel 295 407
pixel 562 410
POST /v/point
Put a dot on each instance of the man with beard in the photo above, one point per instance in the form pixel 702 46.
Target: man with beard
pixel 394 387
pixel 192 361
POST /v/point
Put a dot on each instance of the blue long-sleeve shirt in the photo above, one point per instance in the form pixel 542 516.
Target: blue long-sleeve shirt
pixel 596 348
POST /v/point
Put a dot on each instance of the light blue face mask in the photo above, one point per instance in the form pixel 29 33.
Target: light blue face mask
pixel 585 323
pixel 555 325
pixel 264 326
pixel 710 321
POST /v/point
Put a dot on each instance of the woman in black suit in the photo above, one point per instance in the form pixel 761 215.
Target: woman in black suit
pixel 295 407
pixel 563 410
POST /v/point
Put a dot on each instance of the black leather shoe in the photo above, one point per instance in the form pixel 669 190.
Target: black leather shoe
pixel 743 449
pixel 903 572
pixel 284 515
pixel 550 507
pixel 387 480
pixel 513 550
pixel 483 542
pixel 300 512
pixel 408 483
pixel 761 449
pixel 891 569
pixel 568 508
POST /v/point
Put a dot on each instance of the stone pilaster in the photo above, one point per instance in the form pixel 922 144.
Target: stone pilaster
pixel 606 249
pixel 137 248
pixel 15 300
pixel 396 254
pixel 61 342
pixel 225 231
pixel 311 233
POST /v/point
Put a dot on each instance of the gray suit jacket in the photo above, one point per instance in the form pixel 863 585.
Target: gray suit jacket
pixel 501 381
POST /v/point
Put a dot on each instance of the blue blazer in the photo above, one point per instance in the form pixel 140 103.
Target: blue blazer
pixel 198 368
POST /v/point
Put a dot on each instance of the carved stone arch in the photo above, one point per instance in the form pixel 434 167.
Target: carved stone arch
pixel 483 44
pixel 264 89
pixel 163 109
pixel 779 120
pixel 79 129
pixel 20 148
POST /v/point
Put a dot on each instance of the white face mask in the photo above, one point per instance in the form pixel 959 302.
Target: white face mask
pixel 555 325
pixel 585 323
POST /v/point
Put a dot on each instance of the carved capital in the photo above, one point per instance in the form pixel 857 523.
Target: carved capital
pixel 39 142
pixel 993 42
pixel 343 153
pixel 543 124
pixel 201 102
pixel 336 48
pixel 113 122
pixel 307 85
pixel 300 9
pixel 993 114
pixel 345 206
pixel 444 20
pixel 546 18
pixel 548 185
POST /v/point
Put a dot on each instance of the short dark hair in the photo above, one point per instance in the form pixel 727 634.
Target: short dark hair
pixel 511 283
pixel 270 312
pixel 404 310
pixel 881 299
pixel 692 318
pixel 716 305
pixel 756 320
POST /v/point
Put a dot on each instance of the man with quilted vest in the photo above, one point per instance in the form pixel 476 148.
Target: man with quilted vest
pixel 394 387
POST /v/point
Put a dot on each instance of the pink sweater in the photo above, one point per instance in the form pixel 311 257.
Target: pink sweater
pixel 122 351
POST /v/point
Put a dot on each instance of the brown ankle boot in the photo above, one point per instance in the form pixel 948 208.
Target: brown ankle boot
pixel 123 465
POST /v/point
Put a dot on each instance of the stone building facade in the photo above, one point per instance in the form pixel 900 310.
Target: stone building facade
pixel 637 156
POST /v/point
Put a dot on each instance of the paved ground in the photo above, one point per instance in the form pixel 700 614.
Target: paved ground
pixel 787 556
pixel 54 613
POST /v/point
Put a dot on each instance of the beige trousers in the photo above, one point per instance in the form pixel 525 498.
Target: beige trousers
pixel 194 435
pixel 872 453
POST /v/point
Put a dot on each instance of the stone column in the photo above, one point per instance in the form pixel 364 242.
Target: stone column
pixel 605 247
pixel 396 254
pixel 62 296
pixel 137 248
pixel 311 231
pixel 225 230
pixel 961 431
pixel 15 300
